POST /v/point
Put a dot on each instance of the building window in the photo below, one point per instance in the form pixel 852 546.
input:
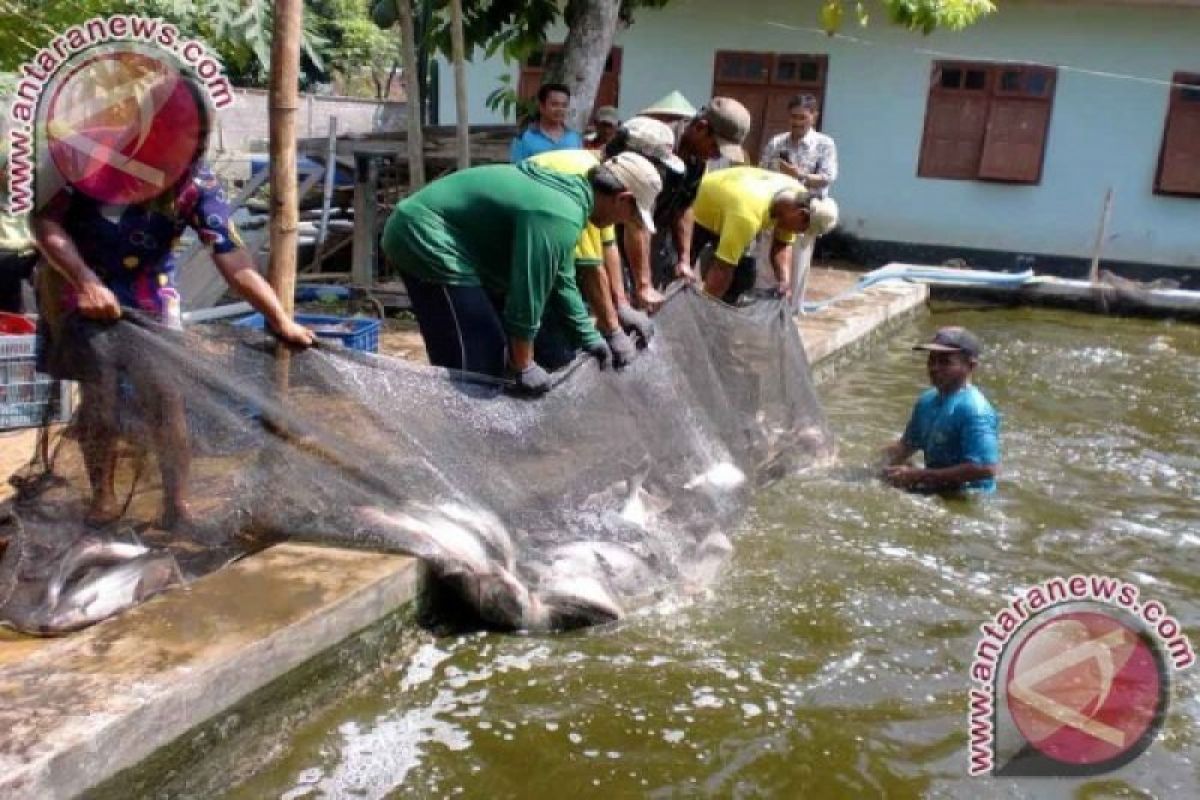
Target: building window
pixel 1179 158
pixel 987 122
pixel 765 83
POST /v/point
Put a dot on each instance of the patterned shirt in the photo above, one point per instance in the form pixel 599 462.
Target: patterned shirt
pixel 130 247
pixel 814 154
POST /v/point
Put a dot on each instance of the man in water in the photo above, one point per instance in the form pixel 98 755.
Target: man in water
pixel 952 423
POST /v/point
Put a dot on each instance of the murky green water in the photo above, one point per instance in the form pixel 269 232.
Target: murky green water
pixel 831 659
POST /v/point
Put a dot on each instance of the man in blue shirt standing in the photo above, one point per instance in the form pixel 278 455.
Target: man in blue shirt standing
pixel 548 130
pixel 952 423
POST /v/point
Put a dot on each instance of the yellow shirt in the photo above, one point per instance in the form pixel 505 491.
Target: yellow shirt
pixel 735 204
pixel 589 250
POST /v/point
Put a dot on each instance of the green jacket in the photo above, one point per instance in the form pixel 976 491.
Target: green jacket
pixel 509 228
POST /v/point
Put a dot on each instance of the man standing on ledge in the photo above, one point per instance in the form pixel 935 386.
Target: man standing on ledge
pixel 548 129
pixel 952 423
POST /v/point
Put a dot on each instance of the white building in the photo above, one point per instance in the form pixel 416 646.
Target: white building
pixel 988 143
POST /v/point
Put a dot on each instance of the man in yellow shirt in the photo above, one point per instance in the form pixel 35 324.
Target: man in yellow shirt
pixel 596 257
pixel 734 206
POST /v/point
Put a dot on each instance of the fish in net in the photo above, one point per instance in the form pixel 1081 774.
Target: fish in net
pixel 610 492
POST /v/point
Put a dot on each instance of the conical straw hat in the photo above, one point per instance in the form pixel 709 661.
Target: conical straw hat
pixel 673 105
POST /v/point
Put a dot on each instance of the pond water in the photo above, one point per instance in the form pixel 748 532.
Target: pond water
pixel 831 659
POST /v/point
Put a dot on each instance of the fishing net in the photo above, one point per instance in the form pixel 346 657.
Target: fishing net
pixel 575 508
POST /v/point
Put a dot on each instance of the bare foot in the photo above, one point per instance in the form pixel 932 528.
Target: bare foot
pixel 103 510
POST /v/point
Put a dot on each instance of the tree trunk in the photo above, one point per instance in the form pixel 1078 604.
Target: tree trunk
pixel 285 215
pixel 460 84
pixel 416 147
pixel 593 26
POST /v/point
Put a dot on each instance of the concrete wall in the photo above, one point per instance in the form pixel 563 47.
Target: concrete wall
pixel 247 119
pixel 1103 131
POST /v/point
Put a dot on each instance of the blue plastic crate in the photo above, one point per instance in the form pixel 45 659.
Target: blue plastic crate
pixel 363 334
pixel 25 393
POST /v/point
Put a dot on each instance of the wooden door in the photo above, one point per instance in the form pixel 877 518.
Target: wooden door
pixel 765 83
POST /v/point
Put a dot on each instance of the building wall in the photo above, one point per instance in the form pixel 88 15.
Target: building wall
pixel 246 124
pixel 1103 131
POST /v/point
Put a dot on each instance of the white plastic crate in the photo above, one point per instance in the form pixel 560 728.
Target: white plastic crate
pixel 24 392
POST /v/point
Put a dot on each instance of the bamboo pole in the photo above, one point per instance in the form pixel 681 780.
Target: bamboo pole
pixel 327 191
pixel 284 218
pixel 1094 269
pixel 458 53
pixel 412 90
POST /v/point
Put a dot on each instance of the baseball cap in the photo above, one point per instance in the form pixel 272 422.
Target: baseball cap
pixel 730 122
pixel 654 140
pixel 640 177
pixel 822 215
pixel 607 114
pixel 952 339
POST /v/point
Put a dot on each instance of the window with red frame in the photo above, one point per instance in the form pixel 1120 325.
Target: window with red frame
pixel 987 121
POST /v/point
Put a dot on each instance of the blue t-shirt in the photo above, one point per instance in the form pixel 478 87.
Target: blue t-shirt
pixel 955 429
pixel 532 141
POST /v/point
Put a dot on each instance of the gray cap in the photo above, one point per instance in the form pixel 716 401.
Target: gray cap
pixel 952 339
pixel 653 139
pixel 730 122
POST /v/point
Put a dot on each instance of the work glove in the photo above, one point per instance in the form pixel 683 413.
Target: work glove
pixel 624 351
pixel 636 322
pixel 533 380
pixel 600 351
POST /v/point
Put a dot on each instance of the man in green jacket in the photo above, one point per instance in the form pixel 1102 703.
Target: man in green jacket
pixel 486 251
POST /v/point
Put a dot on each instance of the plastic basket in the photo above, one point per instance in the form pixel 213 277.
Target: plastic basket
pixel 363 334
pixel 25 394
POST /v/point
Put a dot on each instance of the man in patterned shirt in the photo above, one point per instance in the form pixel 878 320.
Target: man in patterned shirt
pixel 810 157
pixel 102 259
pixel 803 153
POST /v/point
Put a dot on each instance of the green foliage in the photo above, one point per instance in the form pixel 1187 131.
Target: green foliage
pixel 504 100
pixel 925 16
pixel 357 46
pixel 239 31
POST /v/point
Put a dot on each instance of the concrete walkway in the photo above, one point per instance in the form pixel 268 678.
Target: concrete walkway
pixel 75 711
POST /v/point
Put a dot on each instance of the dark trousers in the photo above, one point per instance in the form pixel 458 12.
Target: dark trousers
pixel 743 275
pixel 14 268
pixel 461 326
